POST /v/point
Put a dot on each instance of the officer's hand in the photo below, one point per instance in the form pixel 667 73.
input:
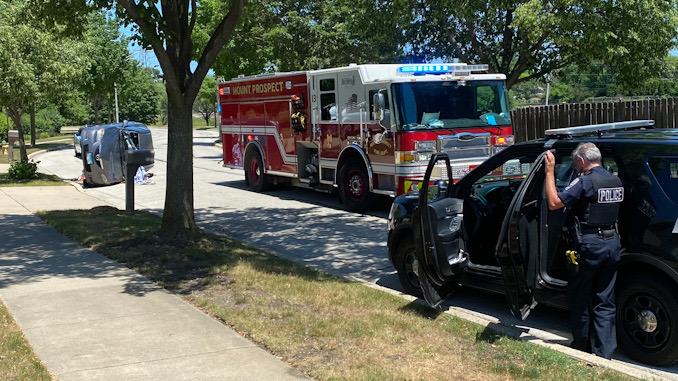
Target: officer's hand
pixel 550 162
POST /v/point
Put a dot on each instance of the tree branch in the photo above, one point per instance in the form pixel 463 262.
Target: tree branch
pixel 148 32
pixel 219 38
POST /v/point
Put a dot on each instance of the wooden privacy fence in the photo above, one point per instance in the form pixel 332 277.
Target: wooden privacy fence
pixel 530 122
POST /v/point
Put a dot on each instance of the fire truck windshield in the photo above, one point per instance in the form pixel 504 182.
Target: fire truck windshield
pixel 450 104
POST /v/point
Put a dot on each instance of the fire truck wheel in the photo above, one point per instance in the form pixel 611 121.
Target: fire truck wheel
pixel 354 188
pixel 254 172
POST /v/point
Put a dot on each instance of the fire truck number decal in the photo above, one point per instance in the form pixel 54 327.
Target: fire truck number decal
pixel 328 141
pixel 313 98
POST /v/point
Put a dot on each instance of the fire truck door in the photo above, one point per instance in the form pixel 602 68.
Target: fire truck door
pixel 380 141
pixel 324 108
pixel 352 109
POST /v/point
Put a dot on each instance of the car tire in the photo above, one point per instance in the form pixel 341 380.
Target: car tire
pixel 404 260
pixel 254 172
pixel 647 319
pixel 354 187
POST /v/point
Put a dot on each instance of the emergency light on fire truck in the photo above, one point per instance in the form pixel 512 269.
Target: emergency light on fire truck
pixel 361 130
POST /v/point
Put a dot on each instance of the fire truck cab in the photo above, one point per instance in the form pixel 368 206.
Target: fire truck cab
pixel 361 129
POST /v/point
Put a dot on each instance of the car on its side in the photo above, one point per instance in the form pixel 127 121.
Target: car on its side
pixel 492 230
pixel 104 147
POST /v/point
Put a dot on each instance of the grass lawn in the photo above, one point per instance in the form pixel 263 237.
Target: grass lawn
pixel 42 180
pixel 327 327
pixel 17 359
pixel 47 144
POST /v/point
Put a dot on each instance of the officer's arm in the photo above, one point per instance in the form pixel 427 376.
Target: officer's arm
pixel 550 183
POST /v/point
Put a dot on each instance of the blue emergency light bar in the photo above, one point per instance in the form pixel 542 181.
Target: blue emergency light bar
pixel 219 108
pixel 440 69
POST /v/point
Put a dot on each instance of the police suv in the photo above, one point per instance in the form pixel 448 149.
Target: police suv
pixel 492 229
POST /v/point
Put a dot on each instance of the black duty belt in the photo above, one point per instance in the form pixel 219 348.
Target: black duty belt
pixel 603 231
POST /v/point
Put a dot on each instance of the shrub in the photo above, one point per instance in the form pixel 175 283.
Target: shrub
pixel 49 119
pixel 23 170
pixel 44 135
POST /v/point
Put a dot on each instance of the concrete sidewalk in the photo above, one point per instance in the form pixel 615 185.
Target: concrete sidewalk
pixel 90 318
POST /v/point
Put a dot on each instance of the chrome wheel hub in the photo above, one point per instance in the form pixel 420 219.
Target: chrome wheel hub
pixel 647 321
pixel 356 185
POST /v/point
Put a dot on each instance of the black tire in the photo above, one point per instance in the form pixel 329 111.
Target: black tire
pixel 655 298
pixel 254 172
pixel 354 187
pixel 405 258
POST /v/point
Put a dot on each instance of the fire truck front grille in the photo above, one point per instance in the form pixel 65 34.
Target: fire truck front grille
pixel 465 146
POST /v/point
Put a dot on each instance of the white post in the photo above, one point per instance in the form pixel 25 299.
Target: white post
pixel 115 86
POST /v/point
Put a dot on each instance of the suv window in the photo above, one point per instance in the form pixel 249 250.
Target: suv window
pixel 665 170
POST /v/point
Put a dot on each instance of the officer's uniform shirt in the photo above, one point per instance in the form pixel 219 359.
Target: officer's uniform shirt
pixel 581 187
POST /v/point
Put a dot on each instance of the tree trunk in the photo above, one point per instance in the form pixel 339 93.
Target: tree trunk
pixel 96 105
pixel 32 126
pixel 16 118
pixel 178 220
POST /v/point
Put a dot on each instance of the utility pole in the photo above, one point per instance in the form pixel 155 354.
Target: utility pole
pixel 115 86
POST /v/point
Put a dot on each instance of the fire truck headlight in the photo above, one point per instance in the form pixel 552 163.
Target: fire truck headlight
pixel 412 157
pixel 504 140
pixel 428 145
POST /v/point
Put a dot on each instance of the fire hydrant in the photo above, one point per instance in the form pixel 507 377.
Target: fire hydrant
pixel 4 147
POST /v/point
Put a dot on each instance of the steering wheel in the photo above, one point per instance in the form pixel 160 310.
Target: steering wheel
pixel 507 194
pixel 476 208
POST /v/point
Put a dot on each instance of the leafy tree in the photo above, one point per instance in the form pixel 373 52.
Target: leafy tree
pixel 138 96
pixel 286 35
pixel 167 27
pixel 34 62
pixel 537 37
pixel 108 52
pixel 206 102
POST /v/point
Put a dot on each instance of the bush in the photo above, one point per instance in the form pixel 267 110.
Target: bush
pixel 49 120
pixel 23 170
pixel 44 135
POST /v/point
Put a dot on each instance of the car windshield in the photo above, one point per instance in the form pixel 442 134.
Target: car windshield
pixel 450 104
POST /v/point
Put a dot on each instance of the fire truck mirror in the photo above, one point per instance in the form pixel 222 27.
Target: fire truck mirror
pixel 379 104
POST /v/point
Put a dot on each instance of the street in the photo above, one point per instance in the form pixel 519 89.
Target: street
pixel 306 227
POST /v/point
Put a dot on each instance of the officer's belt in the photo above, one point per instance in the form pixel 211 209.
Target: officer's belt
pixel 603 231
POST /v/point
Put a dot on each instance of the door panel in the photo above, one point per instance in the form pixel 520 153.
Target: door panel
pixel 439 243
pixel 518 245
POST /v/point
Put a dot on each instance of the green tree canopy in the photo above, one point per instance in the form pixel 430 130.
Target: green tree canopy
pixel 537 37
pixel 206 102
pixel 34 62
pixel 284 35
pixel 107 50
pixel 138 95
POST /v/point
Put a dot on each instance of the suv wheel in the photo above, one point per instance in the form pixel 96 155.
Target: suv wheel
pixel 647 319
pixel 405 261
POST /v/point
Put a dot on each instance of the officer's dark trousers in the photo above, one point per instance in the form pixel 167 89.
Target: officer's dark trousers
pixel 590 294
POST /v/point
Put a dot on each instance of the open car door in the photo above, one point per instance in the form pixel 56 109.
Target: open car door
pixel 438 238
pixel 517 246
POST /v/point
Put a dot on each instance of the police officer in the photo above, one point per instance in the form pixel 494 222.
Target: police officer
pixel 594 198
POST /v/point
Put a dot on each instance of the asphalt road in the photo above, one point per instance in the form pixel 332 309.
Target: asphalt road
pixel 310 228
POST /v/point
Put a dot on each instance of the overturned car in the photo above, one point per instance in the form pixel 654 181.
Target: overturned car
pixel 493 230
pixel 103 150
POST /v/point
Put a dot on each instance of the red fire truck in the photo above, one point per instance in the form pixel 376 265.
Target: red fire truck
pixel 364 129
